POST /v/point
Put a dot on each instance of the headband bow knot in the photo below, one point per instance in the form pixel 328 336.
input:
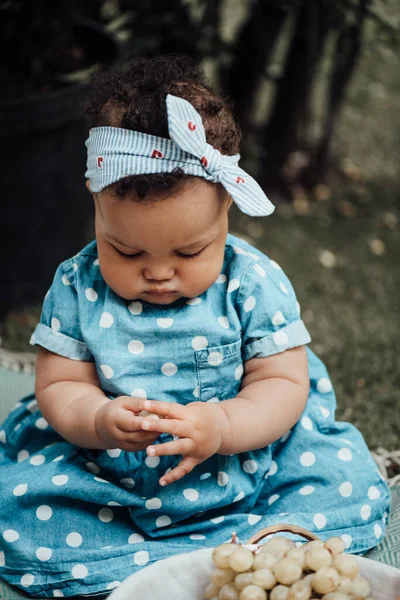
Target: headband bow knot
pixel 115 153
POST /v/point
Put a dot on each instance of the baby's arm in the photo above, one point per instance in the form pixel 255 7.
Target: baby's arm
pixel 69 396
pixel 272 397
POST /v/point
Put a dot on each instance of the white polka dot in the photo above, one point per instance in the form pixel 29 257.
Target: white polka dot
pixel 307 423
pixel 169 369
pixel 106 320
pixel 114 452
pixel 135 308
pixel 55 324
pixel 107 371
pixel 259 270
pixel 112 503
pixel 283 287
pixel 378 531
pixel 307 459
pixel 365 512
pixel 91 295
pixel 74 539
pixel 93 468
pixel 32 406
pixel 193 301
pixel 205 476
pixel 298 308
pixel 2 559
pixel 65 280
pixel 20 489
pixel 135 347
pixel 215 359
pixel 217 520
pixel 345 489
pixel 253 519
pixel 240 496
pixel 37 460
pixel 324 385
pixel 27 579
pixel 214 399
pixel 306 490
pixel 165 323
pixel 96 261
pixel 325 411
pixel 105 515
pixel 22 455
pixel 152 461
pixel 44 554
pixel 373 493
pixel 278 318
pixel 163 521
pixel 199 342
pixel 223 321
pixel 319 520
pixel 191 494
pixel 272 470
pixel 221 278
pixel 141 558
pixel 280 338
pixel 112 585
pixel 135 538
pixel 196 392
pixel 41 423
pixel 60 479
pixel 345 454
pixel 273 499
pixel 139 393
pixel 100 479
pixel 249 304
pixel 128 482
pixel 233 285
pixel 79 571
pixel 286 435
pixel 275 265
pixel 347 540
pixel 44 512
pixel 10 535
pixel 346 441
pixel 250 466
pixel 223 478
pixel 153 504
pixel 239 372
pixel 238 250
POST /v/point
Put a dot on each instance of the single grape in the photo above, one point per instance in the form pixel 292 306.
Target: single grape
pixel 346 565
pixel 287 571
pixel 211 591
pixel 296 554
pixel 318 557
pixel 277 546
pixel 241 559
pixel 312 544
pixel 335 596
pixel 335 545
pixel 360 587
pixel 264 560
pixel 280 592
pixel 300 591
pixel 229 592
pixel 220 577
pixel 150 415
pixel 243 579
pixel 325 580
pixel 264 579
pixel 222 553
pixel 345 585
pixel 253 592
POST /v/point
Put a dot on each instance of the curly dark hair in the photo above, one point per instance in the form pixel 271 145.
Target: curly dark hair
pixel 133 96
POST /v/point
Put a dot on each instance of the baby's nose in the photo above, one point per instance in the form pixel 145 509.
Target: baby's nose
pixel 159 272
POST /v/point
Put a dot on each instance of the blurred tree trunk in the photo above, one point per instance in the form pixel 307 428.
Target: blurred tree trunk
pixel 347 51
pixel 290 115
pixel 251 53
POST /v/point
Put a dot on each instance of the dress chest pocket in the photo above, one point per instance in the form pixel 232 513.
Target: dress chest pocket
pixel 219 371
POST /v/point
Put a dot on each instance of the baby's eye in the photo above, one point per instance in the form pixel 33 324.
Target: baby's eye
pixel 191 255
pixel 127 255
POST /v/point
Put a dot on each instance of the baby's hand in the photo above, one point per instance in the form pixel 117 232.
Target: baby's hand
pixel 118 424
pixel 199 426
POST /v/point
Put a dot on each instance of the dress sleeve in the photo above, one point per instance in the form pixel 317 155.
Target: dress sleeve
pixel 59 328
pixel 269 312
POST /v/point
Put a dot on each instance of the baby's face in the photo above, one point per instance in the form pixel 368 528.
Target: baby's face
pixel 162 250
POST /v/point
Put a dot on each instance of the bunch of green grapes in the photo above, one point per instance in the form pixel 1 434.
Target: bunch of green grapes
pixel 279 570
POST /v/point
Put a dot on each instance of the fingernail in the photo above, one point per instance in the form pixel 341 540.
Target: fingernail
pixel 151 451
pixel 163 482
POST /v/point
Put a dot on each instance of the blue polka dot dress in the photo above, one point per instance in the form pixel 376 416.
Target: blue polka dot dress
pixel 76 521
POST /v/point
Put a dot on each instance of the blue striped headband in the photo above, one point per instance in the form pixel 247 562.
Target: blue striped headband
pixel 115 153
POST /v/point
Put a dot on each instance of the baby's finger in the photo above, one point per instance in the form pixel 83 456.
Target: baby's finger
pixel 134 404
pixel 183 468
pixel 140 436
pixel 183 429
pixel 180 446
pixel 172 410
pixel 125 420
